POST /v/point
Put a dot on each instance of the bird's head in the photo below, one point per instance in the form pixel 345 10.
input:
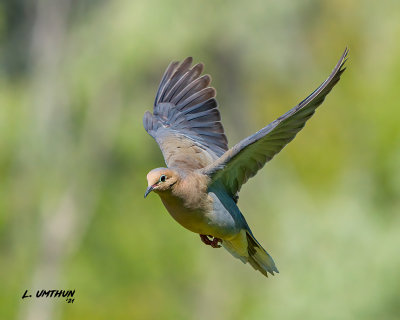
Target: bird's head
pixel 160 180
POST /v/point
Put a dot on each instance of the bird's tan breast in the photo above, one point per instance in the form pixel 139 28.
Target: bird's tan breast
pixel 189 203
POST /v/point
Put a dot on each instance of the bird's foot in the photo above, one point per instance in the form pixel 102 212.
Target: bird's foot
pixel 213 243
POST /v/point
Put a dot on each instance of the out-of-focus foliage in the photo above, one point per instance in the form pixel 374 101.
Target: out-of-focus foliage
pixel 75 79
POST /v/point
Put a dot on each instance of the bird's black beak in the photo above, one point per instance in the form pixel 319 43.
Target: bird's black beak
pixel 148 190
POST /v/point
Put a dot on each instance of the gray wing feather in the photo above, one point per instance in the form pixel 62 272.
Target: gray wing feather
pixel 186 117
pixel 242 162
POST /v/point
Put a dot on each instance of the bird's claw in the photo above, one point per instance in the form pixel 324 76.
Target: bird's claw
pixel 213 243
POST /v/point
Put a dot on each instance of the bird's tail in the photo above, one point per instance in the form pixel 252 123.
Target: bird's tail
pixel 246 248
pixel 259 258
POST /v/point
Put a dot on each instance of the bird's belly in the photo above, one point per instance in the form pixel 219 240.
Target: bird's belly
pixel 212 220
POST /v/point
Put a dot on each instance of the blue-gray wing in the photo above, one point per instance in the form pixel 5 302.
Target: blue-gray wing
pixel 243 161
pixel 186 122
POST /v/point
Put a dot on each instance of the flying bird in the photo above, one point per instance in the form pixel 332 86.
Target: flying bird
pixel 200 185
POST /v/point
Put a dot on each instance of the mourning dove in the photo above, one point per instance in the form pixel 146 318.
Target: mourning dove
pixel 200 185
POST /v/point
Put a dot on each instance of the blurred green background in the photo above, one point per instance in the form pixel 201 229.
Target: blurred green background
pixel 75 80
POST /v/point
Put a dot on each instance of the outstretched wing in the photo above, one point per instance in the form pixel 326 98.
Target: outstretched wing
pixel 243 161
pixel 186 122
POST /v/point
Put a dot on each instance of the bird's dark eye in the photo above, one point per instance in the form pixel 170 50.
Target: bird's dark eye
pixel 162 178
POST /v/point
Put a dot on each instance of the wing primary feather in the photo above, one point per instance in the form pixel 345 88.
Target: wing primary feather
pixel 197 98
pixel 184 81
pixel 168 72
pixel 178 73
pixel 192 88
pixel 203 106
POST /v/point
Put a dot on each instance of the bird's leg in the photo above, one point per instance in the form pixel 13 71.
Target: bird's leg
pixel 213 243
pixel 205 239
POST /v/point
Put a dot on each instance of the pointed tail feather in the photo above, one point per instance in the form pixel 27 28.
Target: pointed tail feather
pixel 246 248
pixel 259 258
